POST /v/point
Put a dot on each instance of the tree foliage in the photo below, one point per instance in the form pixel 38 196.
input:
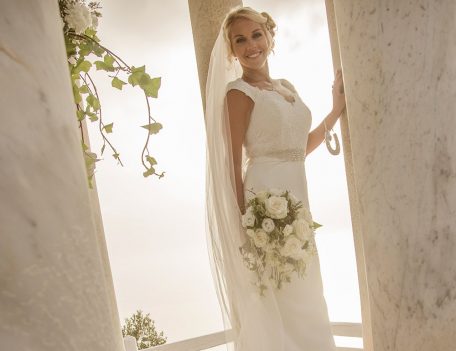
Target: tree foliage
pixel 142 328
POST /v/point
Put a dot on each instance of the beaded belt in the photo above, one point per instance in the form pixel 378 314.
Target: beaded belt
pixel 286 155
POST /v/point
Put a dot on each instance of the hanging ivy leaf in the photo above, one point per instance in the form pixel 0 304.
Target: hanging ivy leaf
pixel 93 102
pixel 108 127
pixel 84 89
pixel 151 89
pixel 151 160
pixel 149 172
pixel 109 60
pixel 76 95
pixel 83 66
pixel 117 83
pixel 81 115
pixel 153 128
pixel 101 65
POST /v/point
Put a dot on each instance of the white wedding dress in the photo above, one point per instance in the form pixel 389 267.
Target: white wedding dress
pixel 275 146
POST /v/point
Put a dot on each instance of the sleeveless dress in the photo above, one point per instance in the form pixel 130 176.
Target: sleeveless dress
pixel 275 147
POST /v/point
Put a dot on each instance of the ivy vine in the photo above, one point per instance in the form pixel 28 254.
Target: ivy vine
pixel 85 53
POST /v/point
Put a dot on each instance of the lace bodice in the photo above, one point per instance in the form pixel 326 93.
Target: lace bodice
pixel 276 126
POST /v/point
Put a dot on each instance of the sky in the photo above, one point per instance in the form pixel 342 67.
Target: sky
pixel 155 229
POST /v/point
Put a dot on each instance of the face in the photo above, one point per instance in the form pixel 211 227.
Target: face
pixel 249 43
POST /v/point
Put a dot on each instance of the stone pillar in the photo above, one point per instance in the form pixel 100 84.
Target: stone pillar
pixel 206 17
pixel 399 65
pixel 353 197
pixel 53 291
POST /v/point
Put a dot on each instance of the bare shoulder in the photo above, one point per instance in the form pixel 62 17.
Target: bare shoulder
pixel 238 100
pixel 288 85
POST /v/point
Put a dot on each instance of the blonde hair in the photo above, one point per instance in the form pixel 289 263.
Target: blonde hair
pixel 263 19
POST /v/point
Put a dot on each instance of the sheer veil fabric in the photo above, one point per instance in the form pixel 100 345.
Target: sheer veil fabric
pixel 246 322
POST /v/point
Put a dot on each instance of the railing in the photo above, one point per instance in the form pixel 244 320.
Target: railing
pixel 207 341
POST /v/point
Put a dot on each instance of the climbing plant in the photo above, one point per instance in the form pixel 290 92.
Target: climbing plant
pixel 85 54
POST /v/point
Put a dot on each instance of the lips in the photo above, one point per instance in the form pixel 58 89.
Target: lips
pixel 255 55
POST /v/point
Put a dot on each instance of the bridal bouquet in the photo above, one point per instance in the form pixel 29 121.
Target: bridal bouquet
pixel 280 233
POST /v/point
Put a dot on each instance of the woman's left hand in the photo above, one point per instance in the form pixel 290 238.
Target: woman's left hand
pixel 338 94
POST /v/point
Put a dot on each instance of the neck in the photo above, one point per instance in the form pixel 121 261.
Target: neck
pixel 256 75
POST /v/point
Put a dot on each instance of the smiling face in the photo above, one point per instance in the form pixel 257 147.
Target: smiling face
pixel 249 43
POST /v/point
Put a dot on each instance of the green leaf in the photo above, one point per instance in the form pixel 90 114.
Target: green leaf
pixel 108 59
pixel 316 225
pixel 98 50
pixel 141 69
pixel 85 48
pixel 149 172
pixel 84 89
pixel 101 65
pixel 94 102
pixel 138 78
pixel 117 83
pixel 76 95
pixel 153 128
pixel 151 160
pixel 84 146
pixel 151 88
pixel 116 155
pixel 90 32
pixel 80 114
pixel 103 149
pixel 92 116
pixel 108 127
pixel 83 66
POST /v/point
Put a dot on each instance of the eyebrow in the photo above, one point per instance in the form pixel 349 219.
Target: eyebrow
pixel 253 31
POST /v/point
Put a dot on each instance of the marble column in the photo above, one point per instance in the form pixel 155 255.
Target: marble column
pixel 399 66
pixel 352 193
pixel 54 293
pixel 206 17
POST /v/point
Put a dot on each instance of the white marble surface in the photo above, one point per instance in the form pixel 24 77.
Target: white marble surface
pixel 399 64
pixel 53 294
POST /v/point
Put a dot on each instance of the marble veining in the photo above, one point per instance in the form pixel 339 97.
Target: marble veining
pixel 399 70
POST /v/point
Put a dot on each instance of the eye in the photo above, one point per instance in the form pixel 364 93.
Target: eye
pixel 240 40
pixel 257 34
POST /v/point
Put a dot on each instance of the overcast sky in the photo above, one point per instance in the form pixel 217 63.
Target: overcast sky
pixel 155 228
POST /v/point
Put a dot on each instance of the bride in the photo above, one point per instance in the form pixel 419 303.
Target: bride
pixel 258 136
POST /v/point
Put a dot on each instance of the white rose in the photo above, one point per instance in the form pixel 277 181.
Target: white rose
pixel 277 207
pixel 262 196
pixel 260 238
pixel 250 232
pixel 287 230
pixel 78 17
pixel 292 247
pixel 304 213
pixel 302 229
pixel 268 248
pixel 248 219
pixel 268 225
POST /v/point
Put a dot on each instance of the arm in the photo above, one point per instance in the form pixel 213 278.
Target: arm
pixel 317 135
pixel 240 107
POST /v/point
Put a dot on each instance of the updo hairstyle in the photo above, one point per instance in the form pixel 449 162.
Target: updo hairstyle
pixel 263 18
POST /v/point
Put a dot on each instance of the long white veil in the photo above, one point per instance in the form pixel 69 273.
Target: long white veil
pixel 247 322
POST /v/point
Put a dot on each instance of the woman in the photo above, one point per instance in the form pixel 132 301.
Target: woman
pixel 257 139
